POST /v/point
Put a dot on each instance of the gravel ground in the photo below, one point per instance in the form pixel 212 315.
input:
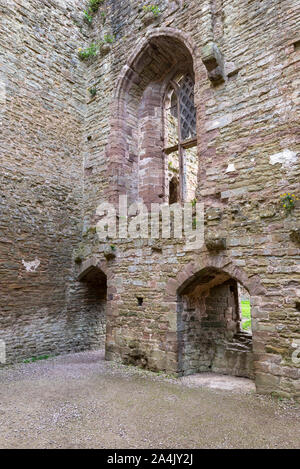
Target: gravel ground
pixel 81 401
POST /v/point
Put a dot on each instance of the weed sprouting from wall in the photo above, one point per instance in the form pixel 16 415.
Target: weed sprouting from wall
pixel 288 201
pixel 92 8
pixel 88 52
pixel 154 9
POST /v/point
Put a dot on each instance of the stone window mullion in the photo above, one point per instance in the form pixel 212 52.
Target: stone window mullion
pixel 186 128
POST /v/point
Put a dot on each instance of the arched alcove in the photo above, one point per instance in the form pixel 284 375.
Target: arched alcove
pixel 210 332
pixel 209 271
pixel 138 149
pixel 93 283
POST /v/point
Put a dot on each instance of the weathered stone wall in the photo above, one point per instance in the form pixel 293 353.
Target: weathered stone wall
pixel 248 150
pixel 42 309
pixel 248 156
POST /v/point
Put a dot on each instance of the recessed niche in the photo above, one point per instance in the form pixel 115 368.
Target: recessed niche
pixel 297 45
pixel 140 301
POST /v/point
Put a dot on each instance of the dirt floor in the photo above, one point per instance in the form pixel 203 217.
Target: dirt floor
pixel 81 401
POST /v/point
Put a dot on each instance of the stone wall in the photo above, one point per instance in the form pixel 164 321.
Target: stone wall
pixel 246 98
pixel 245 58
pixel 43 309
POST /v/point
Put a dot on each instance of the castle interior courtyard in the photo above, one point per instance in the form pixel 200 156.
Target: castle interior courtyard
pixel 150 212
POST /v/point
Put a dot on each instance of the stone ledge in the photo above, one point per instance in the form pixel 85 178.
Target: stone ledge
pixel 215 244
pixel 214 63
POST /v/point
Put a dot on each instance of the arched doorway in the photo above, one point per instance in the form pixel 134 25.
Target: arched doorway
pixel 93 304
pixel 211 332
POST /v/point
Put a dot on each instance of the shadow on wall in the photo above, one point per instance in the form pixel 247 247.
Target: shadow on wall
pixel 94 297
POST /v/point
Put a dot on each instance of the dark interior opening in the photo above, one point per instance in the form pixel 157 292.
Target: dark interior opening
pixel 211 332
pixel 94 297
pixel 173 191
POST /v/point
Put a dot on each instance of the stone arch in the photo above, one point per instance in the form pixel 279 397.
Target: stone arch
pixel 91 265
pixel 198 274
pixel 129 69
pixel 136 160
pixel 190 271
pixel 92 279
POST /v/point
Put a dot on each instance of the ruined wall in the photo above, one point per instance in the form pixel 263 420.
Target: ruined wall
pixel 42 308
pixel 248 152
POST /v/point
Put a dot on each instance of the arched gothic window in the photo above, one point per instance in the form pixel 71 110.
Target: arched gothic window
pixel 181 137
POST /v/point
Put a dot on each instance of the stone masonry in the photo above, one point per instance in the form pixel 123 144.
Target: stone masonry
pixel 77 132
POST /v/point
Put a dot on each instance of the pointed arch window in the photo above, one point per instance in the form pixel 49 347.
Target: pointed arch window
pixel 181 137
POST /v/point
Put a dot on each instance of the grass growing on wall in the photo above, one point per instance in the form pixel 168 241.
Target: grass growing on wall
pixel 246 315
pixel 36 359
